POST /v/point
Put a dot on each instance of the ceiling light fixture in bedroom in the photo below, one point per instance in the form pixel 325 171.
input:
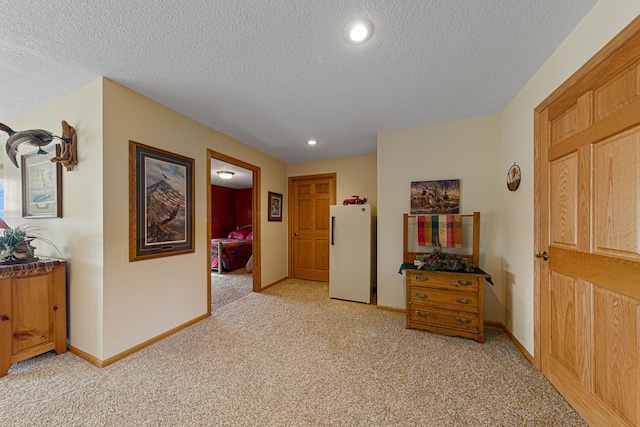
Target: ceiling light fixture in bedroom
pixel 358 31
pixel 312 141
pixel 225 174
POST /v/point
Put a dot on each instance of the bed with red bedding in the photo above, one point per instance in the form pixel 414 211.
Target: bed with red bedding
pixel 232 252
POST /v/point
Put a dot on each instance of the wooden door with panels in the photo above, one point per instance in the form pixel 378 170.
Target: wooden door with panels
pixel 588 235
pixel 309 201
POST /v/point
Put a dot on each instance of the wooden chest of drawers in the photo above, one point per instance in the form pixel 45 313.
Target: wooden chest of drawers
pixel 448 303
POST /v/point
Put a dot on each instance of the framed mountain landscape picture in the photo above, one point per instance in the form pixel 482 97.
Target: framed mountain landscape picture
pixel 161 204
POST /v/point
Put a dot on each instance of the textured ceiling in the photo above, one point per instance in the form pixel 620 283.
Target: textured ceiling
pixel 275 73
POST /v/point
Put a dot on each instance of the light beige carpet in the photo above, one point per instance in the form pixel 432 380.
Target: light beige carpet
pixel 229 286
pixel 290 356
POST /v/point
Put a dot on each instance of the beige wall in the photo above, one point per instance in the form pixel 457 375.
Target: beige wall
pixel 355 175
pixel 602 23
pixel 143 299
pixel 79 234
pixel 116 304
pixel 468 150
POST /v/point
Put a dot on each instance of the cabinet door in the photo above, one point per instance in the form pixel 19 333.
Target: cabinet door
pixel 32 312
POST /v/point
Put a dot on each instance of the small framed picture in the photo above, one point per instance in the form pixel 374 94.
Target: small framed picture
pixel 161 203
pixel 275 206
pixel 41 184
pixel 513 177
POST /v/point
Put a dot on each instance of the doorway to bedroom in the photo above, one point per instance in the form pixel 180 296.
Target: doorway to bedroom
pixel 232 229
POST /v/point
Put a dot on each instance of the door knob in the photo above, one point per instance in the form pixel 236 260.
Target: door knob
pixel 544 255
pixel 295 234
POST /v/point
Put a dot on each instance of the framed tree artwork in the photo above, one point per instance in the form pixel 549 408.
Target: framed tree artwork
pixel 41 184
pixel 161 203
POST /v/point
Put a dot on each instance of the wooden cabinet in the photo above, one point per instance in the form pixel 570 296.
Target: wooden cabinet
pixel 448 303
pixel 444 302
pixel 33 311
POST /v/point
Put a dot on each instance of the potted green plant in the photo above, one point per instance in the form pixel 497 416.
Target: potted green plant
pixel 15 243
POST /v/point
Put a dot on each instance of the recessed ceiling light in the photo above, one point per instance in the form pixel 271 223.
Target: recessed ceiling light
pixel 225 174
pixel 358 31
pixel 312 142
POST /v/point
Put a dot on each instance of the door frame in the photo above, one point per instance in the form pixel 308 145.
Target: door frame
pixel 293 198
pixel 255 219
pixel 571 83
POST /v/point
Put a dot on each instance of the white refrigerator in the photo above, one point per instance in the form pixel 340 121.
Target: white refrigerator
pixel 351 252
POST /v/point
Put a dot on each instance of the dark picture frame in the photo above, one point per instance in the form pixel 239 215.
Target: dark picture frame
pixel 41 184
pixel 161 203
pixel 275 206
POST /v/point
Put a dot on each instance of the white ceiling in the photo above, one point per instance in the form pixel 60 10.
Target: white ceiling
pixel 275 73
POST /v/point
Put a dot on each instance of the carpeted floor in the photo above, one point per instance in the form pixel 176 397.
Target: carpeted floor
pixel 229 286
pixel 290 356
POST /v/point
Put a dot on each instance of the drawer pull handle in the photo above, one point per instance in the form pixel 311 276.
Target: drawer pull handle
pixel 464 282
pixel 421 278
pixel 422 313
pixel 422 295
pixel 463 320
pixel 463 300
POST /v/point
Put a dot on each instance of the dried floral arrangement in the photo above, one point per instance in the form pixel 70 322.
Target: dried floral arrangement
pixel 438 260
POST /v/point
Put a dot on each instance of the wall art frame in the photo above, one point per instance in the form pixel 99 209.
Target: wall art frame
pixel 161 203
pixel 275 206
pixel 514 175
pixel 41 181
pixel 435 197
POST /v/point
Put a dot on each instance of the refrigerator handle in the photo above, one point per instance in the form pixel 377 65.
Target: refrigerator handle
pixel 333 226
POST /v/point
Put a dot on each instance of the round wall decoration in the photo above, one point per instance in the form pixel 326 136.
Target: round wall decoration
pixel 513 177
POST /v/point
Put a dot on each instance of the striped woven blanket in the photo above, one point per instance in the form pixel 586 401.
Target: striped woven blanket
pixel 440 230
